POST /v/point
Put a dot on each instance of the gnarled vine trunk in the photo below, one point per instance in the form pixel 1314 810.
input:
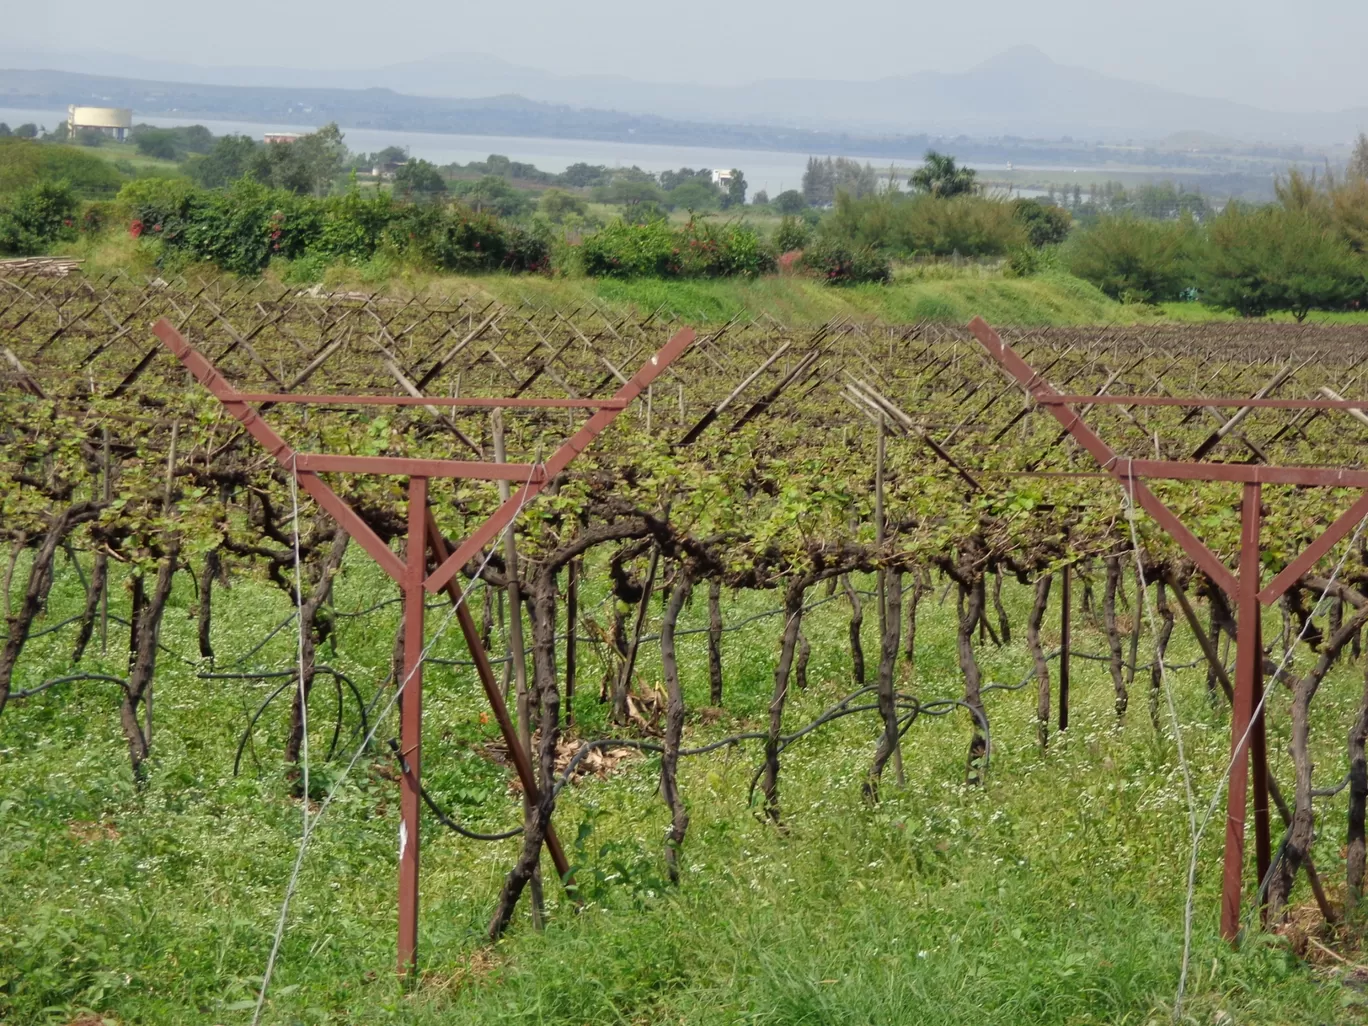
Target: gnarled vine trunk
pixel 146 634
pixel 970 607
pixel 312 632
pixel 39 582
pixel 674 727
pixel 1161 641
pixel 888 664
pixel 1042 668
pixel 715 641
pixel 546 684
pixel 793 622
pixel 857 663
pixel 1115 663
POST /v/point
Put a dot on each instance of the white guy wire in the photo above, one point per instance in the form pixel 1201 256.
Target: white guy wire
pixel 311 824
pixel 1199 828
pixel 299 639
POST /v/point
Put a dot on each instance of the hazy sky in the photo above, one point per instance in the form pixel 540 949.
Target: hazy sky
pixel 1266 52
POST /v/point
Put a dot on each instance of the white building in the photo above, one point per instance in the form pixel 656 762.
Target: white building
pixel 112 121
pixel 722 179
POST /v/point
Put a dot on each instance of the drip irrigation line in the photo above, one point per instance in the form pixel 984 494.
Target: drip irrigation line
pixel 443 817
pixel 55 627
pixel 38 688
pixel 262 644
pixel 339 679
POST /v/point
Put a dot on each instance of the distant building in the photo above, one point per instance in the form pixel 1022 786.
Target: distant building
pixel 722 179
pixel 280 137
pixel 112 121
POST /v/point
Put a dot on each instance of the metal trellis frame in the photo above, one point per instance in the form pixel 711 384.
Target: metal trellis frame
pixel 411 573
pixel 1242 588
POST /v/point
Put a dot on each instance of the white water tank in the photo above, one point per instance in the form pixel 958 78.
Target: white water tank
pixel 112 121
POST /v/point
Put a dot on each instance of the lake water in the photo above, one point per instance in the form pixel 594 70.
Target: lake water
pixel 773 171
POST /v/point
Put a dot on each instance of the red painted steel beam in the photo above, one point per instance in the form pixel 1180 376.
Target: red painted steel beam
pixel 411 725
pixel 411 400
pixel 559 460
pixel 1166 400
pixel 1041 391
pixel 1248 473
pixel 1248 683
pixel 404 467
pixel 207 375
pixel 1312 554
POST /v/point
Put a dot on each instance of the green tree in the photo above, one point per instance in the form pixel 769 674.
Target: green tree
pixel 670 180
pixel 630 192
pixel 1045 224
pixel 1134 260
pixel 1256 262
pixel 940 176
pixel 492 194
pixel 27 131
pixel 557 205
pixel 419 180
pixel 736 190
pixel 791 234
pixel 824 180
pixel 790 201
pixel 307 167
pixel 1358 160
pixel 760 199
pixel 158 143
pixel 37 216
pixel 696 194
pixel 5 131
pixel 232 157
pixel 583 176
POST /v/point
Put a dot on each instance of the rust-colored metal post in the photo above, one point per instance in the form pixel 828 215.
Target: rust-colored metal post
pixel 411 725
pixel 1258 754
pixel 1065 609
pixel 521 762
pixel 1248 674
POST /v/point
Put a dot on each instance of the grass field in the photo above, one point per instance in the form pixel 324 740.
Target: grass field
pixel 1052 895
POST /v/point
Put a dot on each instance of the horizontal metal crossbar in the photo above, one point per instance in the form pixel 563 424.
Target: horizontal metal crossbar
pixel 403 466
pixel 410 400
pixel 1189 401
pixel 1247 473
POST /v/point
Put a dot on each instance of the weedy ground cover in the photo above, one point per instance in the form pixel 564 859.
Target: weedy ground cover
pixel 1054 894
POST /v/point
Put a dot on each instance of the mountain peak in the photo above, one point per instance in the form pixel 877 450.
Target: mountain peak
pixel 1025 58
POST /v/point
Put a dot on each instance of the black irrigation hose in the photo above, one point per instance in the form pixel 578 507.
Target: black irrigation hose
pixel 55 627
pixel 339 678
pixel 442 817
pixel 36 689
pixel 251 725
pixel 262 644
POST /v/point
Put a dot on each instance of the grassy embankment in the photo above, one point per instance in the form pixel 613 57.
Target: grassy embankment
pixel 1052 895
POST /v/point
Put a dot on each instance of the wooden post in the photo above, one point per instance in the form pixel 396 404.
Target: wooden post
pixel 515 635
pixel 571 625
pixel 1248 676
pixel 411 725
pixel 1065 620
pixel 107 491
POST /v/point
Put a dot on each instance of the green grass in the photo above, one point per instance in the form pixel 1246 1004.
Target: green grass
pixel 1049 299
pixel 1052 895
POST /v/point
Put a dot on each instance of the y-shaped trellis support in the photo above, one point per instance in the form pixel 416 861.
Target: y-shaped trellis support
pixel 411 572
pixel 1247 738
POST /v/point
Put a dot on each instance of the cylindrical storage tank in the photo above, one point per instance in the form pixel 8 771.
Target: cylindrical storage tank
pixel 116 121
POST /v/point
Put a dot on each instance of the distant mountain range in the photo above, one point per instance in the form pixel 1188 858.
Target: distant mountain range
pixel 1020 93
